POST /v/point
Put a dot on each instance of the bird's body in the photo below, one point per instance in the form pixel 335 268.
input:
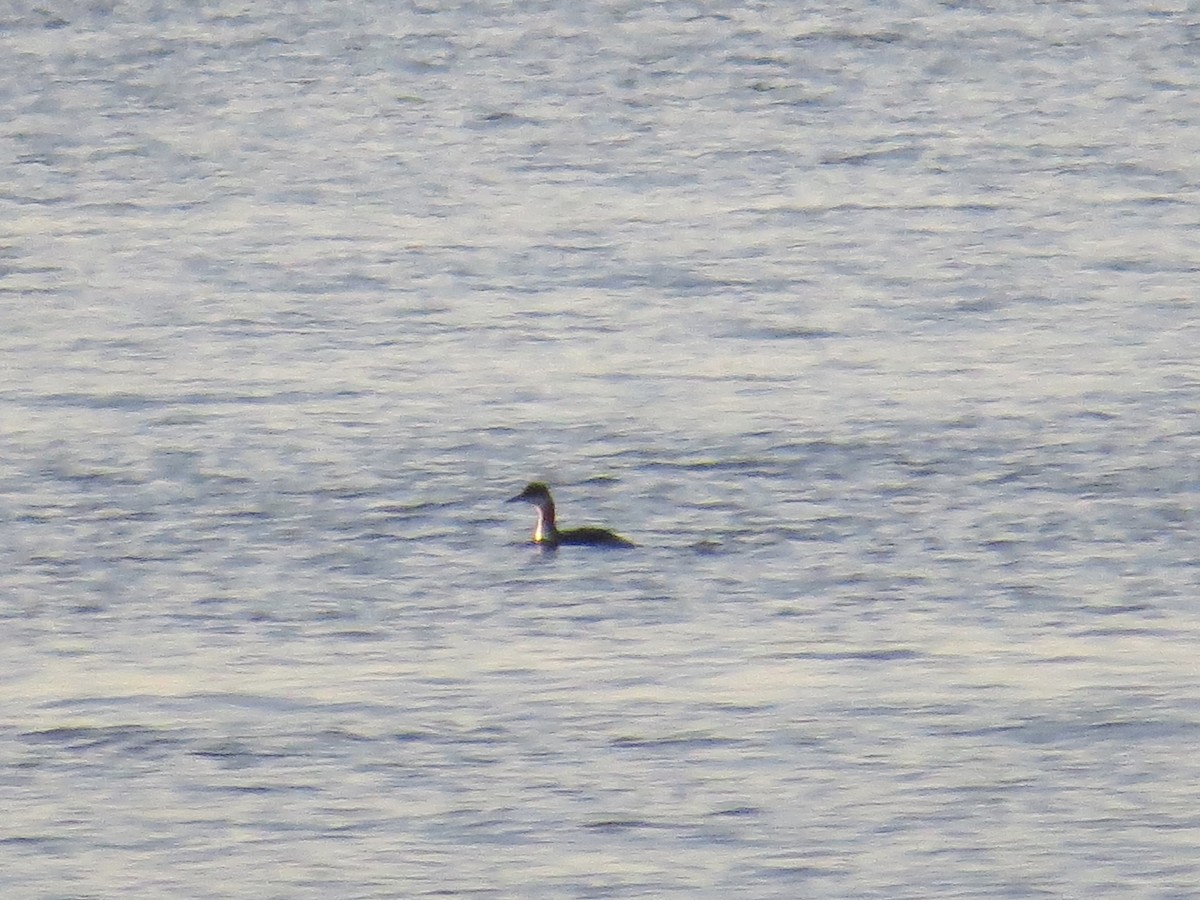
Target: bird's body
pixel 547 533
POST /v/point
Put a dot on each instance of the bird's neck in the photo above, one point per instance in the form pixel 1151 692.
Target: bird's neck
pixel 546 531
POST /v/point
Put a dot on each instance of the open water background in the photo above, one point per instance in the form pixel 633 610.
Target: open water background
pixel 875 325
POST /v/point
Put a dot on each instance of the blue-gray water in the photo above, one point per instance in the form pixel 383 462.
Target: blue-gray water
pixel 875 325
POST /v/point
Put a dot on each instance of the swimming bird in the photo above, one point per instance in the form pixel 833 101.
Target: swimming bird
pixel 547 533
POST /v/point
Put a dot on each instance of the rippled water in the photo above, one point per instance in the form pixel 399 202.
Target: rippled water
pixel 874 325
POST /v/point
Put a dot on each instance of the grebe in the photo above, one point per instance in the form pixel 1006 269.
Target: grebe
pixel 547 533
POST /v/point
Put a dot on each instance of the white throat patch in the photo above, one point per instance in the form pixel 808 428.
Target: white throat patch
pixel 543 531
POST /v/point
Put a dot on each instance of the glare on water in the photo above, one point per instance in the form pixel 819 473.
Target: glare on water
pixel 873 327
